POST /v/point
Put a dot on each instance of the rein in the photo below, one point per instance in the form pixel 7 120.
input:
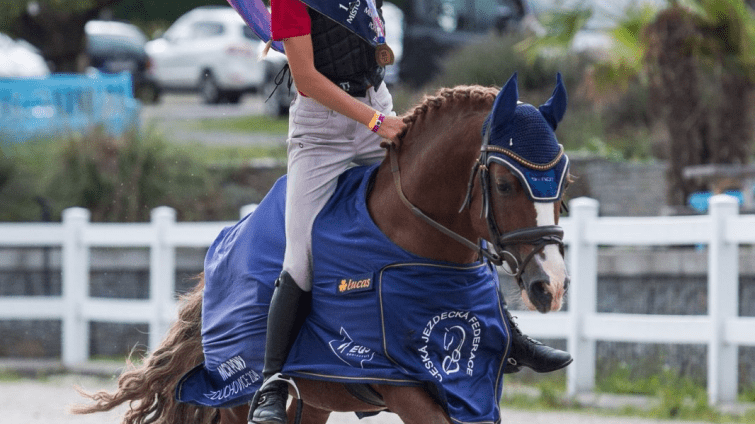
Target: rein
pixel 492 256
pixel 539 237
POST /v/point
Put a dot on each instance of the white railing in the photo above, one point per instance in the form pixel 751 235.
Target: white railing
pixel 722 330
pixel 75 308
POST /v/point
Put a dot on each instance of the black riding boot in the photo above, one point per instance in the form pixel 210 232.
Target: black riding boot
pixel 288 308
pixel 531 353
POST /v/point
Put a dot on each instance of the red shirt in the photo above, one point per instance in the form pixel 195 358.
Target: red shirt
pixel 289 18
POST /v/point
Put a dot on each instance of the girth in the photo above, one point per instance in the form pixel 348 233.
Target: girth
pixel 365 393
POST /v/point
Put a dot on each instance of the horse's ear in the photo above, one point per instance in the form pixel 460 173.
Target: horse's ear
pixel 554 109
pixel 505 105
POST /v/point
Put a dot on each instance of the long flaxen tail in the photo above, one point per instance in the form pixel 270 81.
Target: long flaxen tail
pixel 150 387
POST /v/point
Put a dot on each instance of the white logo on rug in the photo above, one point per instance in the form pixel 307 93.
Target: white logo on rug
pixel 234 388
pixel 230 367
pixel 453 341
pixel 458 338
pixel 350 352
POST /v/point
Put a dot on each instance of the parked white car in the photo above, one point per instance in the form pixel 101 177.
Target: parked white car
pixel 394 37
pixel 19 59
pixel 211 50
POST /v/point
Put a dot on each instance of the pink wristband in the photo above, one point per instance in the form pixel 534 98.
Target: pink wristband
pixel 377 122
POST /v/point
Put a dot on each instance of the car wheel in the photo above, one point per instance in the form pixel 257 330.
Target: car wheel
pixel 209 89
pixel 233 97
pixel 147 93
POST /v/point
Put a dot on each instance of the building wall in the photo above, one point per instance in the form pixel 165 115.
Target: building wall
pixel 622 188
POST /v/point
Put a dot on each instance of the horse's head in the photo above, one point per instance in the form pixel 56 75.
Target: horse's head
pixel 524 171
pixel 516 205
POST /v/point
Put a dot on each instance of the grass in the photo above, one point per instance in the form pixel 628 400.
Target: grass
pixel 9 376
pixel 229 155
pixel 670 396
pixel 252 124
pixel 117 359
pixel 748 394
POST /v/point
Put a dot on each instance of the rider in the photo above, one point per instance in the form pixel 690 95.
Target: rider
pixel 340 115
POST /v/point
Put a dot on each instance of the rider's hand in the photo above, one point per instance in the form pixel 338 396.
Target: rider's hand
pixel 393 129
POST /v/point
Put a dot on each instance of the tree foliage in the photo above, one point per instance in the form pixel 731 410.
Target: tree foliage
pixel 55 27
pixel 695 61
pixel 702 80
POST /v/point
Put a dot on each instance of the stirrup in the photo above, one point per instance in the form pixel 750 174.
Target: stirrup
pixel 279 377
pixel 254 403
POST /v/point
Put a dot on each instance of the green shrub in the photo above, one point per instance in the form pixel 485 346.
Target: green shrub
pixel 748 394
pixel 606 116
pixel 19 182
pixel 598 121
pixel 116 179
pixel 494 60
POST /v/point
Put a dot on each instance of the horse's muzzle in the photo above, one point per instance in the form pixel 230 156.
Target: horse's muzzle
pixel 538 237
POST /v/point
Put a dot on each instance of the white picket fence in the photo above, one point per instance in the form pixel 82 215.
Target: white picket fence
pixel 722 330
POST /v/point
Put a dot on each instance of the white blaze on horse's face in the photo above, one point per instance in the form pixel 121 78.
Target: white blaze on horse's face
pixel 550 260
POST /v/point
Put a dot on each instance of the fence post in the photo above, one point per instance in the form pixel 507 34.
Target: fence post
pixel 162 259
pixel 583 270
pixel 723 301
pixel 75 287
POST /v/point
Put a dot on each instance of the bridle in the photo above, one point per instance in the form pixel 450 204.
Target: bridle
pixel 538 237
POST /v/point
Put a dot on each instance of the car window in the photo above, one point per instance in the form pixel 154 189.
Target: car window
pixel 460 15
pixel 109 45
pixel 177 32
pixel 206 29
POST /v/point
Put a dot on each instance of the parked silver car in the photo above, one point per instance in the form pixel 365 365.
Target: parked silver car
pixel 394 34
pixel 114 47
pixel 211 50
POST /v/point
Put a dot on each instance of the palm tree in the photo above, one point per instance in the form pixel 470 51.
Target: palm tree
pixel 695 61
pixel 701 75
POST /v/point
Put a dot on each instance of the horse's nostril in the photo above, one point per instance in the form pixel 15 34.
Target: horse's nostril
pixel 539 295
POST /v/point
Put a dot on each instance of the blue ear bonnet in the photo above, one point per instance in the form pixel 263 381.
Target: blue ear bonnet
pixel 521 138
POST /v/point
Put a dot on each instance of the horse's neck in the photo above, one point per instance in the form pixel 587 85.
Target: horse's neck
pixel 434 173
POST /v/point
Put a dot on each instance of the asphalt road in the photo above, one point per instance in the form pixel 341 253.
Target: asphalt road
pixel 46 402
pixel 173 115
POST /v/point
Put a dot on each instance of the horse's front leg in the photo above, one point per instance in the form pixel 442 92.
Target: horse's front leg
pixel 309 414
pixel 412 404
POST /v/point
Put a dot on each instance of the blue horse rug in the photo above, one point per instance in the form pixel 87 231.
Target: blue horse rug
pixel 379 314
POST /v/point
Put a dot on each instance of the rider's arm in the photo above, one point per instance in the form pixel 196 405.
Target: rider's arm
pixel 291 23
pixel 313 84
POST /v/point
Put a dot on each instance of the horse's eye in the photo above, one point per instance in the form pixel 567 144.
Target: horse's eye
pixel 504 187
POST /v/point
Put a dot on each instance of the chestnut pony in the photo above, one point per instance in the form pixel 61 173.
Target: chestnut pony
pixel 449 186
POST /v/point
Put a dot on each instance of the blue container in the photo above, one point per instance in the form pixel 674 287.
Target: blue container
pixel 699 200
pixel 65 104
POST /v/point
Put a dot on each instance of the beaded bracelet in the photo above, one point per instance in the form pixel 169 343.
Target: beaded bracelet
pixel 376 122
